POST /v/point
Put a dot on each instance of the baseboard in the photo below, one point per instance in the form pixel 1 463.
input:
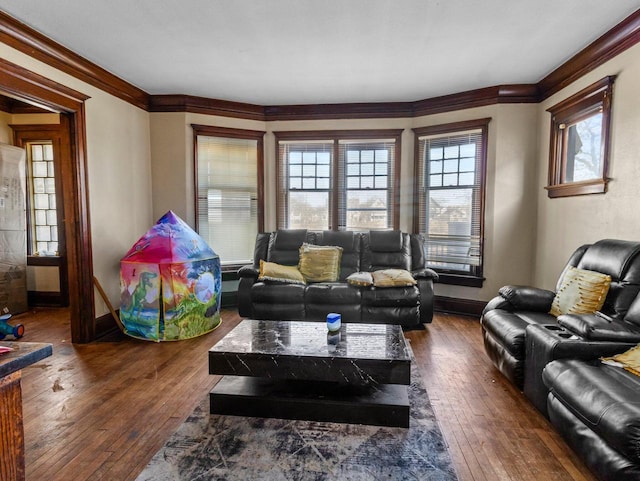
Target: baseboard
pixel 106 325
pixel 452 305
pixel 45 299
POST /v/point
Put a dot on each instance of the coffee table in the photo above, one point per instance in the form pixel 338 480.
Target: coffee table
pixel 296 370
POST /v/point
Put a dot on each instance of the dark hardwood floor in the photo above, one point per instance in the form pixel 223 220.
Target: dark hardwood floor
pixel 99 411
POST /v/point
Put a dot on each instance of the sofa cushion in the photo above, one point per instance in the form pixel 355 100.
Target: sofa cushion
pixel 393 296
pixel 605 398
pixel 508 328
pixel 331 293
pixel 392 278
pixel 386 250
pixel 320 263
pixel 581 292
pixel 629 360
pixel 270 271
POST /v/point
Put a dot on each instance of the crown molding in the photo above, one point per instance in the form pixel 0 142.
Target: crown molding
pixel 621 37
pixel 27 40
pixel 203 105
pixel 23 38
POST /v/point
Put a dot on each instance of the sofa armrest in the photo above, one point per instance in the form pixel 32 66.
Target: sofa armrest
pixel 248 271
pixel 425 273
pixel 522 298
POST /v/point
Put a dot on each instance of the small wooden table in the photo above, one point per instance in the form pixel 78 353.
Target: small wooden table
pixel 12 466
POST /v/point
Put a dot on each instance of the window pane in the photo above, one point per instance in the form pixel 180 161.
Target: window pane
pixel 367 210
pixel 468 150
pixel 308 183
pixel 450 179
pixel 41 201
pixel 52 217
pixel 467 164
pixel 295 157
pixel 382 169
pixel 435 167
pixel 451 152
pixel 366 182
pixel 36 153
pixel 309 170
pixel 435 154
pixel 39 169
pixel 324 183
pixel 41 217
pixel 435 180
pixel 295 183
pixel 583 150
pixel 38 185
pixel 49 185
pixel 353 169
pixel 295 170
pixel 366 169
pixel 47 152
pixel 381 182
pixel 451 165
pixel 353 182
pixel 466 178
pixel 309 210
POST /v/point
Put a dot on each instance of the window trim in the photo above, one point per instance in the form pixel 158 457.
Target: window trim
pixel 594 98
pixel 336 136
pixel 476 278
pixel 213 131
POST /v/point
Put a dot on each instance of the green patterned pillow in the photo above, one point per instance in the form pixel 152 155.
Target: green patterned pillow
pixel 320 263
pixel 581 292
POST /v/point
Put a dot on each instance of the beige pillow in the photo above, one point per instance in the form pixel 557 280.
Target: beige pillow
pixel 581 292
pixel 270 271
pixel 360 279
pixel 393 278
pixel 320 263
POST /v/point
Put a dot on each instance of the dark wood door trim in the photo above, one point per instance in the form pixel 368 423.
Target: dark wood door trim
pixel 33 88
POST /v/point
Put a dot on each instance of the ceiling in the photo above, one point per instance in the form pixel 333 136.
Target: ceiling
pixel 288 52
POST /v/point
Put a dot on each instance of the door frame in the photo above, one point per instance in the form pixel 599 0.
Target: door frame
pixel 37 90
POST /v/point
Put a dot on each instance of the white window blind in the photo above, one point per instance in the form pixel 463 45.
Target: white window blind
pixel 227 197
pixel 450 186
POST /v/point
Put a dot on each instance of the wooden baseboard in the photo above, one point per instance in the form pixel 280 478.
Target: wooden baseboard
pixel 46 299
pixel 106 325
pixel 465 307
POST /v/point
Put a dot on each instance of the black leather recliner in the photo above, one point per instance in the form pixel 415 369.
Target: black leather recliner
pixel 596 409
pixel 410 306
pixel 509 318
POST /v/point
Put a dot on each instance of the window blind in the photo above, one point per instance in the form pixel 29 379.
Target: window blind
pixel 450 182
pixel 227 203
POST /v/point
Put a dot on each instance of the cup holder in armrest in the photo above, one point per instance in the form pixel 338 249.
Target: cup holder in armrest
pixel 566 335
pixel 553 327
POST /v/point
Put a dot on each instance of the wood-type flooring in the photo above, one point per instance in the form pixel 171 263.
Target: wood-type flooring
pixel 99 411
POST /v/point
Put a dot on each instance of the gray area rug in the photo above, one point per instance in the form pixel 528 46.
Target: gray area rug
pixel 214 447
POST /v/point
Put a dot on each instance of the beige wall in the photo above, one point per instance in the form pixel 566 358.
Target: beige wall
pixel 511 207
pixel 566 223
pixel 118 169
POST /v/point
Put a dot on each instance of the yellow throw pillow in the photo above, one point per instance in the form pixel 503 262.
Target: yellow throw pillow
pixel 393 278
pixel 629 360
pixel 581 292
pixel 270 271
pixel 320 263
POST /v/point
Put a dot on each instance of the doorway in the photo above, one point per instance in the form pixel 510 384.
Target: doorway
pixel 21 84
pixel 47 147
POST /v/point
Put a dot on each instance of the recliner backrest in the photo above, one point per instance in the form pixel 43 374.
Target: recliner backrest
pixel 386 250
pixel 351 249
pixel 284 245
pixel 621 260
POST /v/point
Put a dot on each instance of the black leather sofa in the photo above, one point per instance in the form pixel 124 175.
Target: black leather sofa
pixel 521 337
pixel 596 409
pixel 410 306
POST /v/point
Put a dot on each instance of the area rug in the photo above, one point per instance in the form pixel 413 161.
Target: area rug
pixel 232 448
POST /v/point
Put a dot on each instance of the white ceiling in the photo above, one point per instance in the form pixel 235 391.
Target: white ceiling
pixel 285 52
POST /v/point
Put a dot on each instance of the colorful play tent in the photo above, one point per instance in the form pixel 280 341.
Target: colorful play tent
pixel 170 284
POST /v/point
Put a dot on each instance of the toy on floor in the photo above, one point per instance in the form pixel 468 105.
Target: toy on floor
pixel 6 329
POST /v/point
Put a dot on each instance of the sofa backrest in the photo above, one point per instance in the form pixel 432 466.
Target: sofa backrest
pixel 386 250
pixel 351 249
pixel 619 259
pixel 284 245
pixel 361 251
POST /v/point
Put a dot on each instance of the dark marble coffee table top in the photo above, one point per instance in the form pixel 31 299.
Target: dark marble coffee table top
pixel 303 350
pixel 304 338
